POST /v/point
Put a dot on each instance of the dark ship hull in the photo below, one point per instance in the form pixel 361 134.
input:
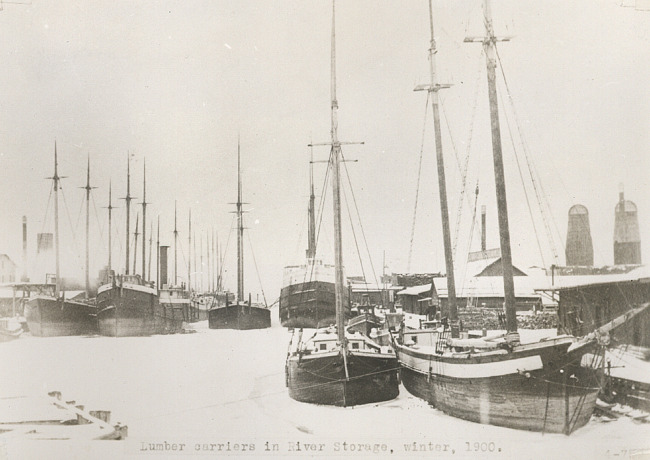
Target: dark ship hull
pixel 50 317
pixel 536 388
pixel 134 310
pixel 239 316
pixel 322 379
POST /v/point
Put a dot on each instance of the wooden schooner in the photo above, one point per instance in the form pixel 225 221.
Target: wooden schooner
pixel 242 314
pixel 538 386
pixel 53 315
pixel 333 366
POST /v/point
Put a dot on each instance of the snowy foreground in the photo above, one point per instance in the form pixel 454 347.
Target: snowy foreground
pixel 219 392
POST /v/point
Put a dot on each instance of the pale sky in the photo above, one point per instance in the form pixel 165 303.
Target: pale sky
pixel 178 82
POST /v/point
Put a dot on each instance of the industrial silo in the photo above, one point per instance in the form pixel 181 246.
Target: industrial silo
pixel 579 247
pixel 627 241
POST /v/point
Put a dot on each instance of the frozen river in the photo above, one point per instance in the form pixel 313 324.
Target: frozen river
pixel 218 392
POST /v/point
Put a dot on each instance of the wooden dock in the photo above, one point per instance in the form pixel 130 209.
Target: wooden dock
pixel 51 418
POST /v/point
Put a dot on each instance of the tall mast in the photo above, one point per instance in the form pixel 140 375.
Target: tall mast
pixel 189 252
pixel 240 231
pixel 56 179
pixel 110 217
pixel 144 216
pixel 128 199
pixel 432 88
pixel 214 264
pixel 207 258
pixel 311 248
pixel 201 264
pixel 336 198
pixel 158 254
pixel 135 248
pixel 150 245
pixel 175 248
pixel 489 45
pixel 88 188
pixel 196 284
pixel 218 263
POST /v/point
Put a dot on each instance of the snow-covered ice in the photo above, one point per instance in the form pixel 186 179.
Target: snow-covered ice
pixel 217 386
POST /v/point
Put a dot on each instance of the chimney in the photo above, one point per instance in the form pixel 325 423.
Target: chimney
pixel 24 278
pixel 627 239
pixel 163 266
pixel 579 249
pixel 483 245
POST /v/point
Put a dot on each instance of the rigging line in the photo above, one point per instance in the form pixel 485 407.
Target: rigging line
pixel 471 235
pixel 363 233
pixel 417 184
pixel 354 234
pixel 47 208
pixel 225 250
pixel 538 193
pixel 99 224
pixel 465 169
pixel 259 279
pixel 74 239
pixel 321 206
pixel 523 185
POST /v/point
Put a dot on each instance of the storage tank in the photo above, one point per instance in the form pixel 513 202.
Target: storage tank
pixel 627 240
pixel 579 246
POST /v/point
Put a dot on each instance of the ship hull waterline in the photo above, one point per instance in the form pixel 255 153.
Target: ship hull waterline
pixel 311 304
pixel 50 317
pixel 544 390
pixel 132 312
pixel 240 317
pixel 322 379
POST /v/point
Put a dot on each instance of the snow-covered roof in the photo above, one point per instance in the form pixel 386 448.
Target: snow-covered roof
pixel 641 273
pixel 482 286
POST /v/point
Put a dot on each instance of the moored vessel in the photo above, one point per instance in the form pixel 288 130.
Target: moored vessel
pixel 242 314
pixel 335 366
pixel 536 386
pixel 54 315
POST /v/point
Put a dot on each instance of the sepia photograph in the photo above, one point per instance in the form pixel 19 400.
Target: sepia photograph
pixel 325 228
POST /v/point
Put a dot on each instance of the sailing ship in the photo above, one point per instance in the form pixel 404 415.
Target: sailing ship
pixel 307 297
pixel 242 314
pixel 537 386
pixel 175 298
pixel 128 305
pixel 54 315
pixel 334 366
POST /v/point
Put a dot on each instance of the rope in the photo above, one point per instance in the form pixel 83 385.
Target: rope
pixel 523 184
pixel 539 192
pixel 259 279
pixel 417 185
pixel 363 233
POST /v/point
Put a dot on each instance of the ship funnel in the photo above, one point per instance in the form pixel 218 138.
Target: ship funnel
pixel 579 246
pixel 163 266
pixel 24 278
pixel 627 240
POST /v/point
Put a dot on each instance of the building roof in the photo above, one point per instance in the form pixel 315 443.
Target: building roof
pixel 641 274
pixel 482 286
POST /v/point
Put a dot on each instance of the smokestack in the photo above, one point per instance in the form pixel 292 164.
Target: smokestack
pixel 483 245
pixel 627 239
pixel 24 278
pixel 579 249
pixel 163 266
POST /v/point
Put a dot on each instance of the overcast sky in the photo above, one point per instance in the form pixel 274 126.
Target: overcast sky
pixel 178 81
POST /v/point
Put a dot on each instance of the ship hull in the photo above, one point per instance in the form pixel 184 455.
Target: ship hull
pixel 50 317
pixel 240 317
pixel 541 389
pixel 322 379
pixel 308 305
pixel 135 311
